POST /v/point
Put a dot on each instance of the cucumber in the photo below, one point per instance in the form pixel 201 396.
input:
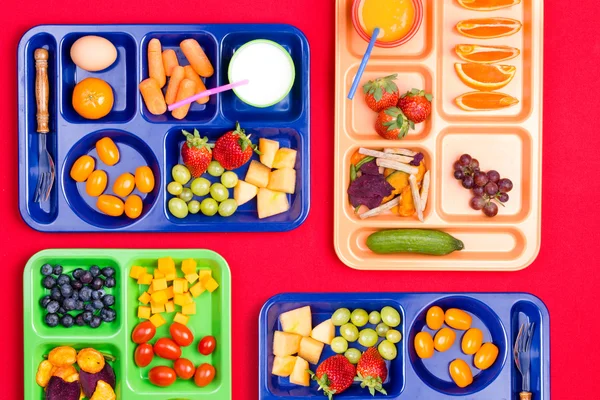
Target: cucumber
pixel 420 241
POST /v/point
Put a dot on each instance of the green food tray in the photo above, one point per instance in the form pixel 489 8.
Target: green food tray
pixel 213 317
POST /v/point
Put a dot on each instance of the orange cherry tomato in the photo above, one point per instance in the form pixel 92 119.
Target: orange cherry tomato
pixel 461 373
pixel 143 355
pixel 458 319
pixel 435 318
pixel 124 185
pixel 485 356
pixel 162 376
pixel 143 332
pixel 424 345
pixel 471 341
pixel 181 334
pixel 96 183
pixel 166 348
pixel 108 152
pixel 205 374
pixel 82 168
pixel 134 206
pixel 184 368
pixel 444 339
pixel 110 205
pixel 144 179
pixel 93 98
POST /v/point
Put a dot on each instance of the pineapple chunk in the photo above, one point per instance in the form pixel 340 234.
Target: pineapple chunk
pixel 300 375
pixel 210 284
pixel 182 319
pixel 180 286
pixel 189 309
pixel 169 307
pixel 268 148
pixel 144 312
pixel 170 292
pixel 166 265
pixel 243 192
pixel 283 366
pixel 159 284
pixel 285 343
pixel 271 203
pixel 258 174
pixel 283 180
pixel 197 289
pixel 158 274
pixel 310 350
pixel 137 271
pixel 157 308
pixel 188 266
pixel 144 298
pixel 191 278
pixel 204 274
pixel 145 279
pixel 159 297
pixel 297 321
pixel 171 276
pixel 285 158
pixel 157 320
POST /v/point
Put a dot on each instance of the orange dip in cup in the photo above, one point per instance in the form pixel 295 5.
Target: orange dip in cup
pixel 394 18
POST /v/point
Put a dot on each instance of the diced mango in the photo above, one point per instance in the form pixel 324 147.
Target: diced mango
pixel 169 306
pixel 204 274
pixel 191 278
pixel 188 266
pixel 180 286
pixel 144 312
pixel 159 297
pixel 188 299
pixel 150 290
pixel 211 285
pixel 170 293
pixel 171 276
pixel 158 274
pixel 144 298
pixel 159 284
pixel 166 265
pixel 157 308
pixel 179 299
pixel 137 271
pixel 197 289
pixel 157 320
pixel 189 309
pixel 145 279
pixel 182 319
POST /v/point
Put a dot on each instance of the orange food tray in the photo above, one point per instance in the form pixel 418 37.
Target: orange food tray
pixel 508 140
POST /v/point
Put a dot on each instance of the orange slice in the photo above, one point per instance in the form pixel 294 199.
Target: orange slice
pixel 485 101
pixel 485 77
pixel 485 54
pixel 488 28
pixel 487 5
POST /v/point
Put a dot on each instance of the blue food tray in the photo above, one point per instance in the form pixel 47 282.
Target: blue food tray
pixel 146 139
pixel 496 314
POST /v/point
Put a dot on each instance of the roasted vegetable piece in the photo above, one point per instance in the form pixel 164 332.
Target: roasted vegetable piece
pixel 63 356
pixel 58 389
pixel 407 205
pixel 68 373
pixel 421 173
pixel 44 373
pixel 103 391
pixel 398 180
pixel 90 360
pixel 89 381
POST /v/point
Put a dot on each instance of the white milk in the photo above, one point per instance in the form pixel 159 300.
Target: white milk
pixel 269 70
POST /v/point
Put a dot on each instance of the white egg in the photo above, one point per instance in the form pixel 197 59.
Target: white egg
pixel 93 53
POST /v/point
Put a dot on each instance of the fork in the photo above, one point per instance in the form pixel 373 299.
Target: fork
pixel 522 357
pixel 42 93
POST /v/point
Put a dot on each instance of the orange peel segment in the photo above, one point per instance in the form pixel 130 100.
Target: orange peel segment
pixel 487 5
pixel 485 77
pixel 485 54
pixel 485 101
pixel 488 28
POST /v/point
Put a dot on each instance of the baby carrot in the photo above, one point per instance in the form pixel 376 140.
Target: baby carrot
pixel 176 78
pixel 169 61
pixel 197 58
pixel 153 96
pixel 156 69
pixel 200 87
pixel 187 88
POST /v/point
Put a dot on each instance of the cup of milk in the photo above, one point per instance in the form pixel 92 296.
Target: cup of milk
pixel 269 69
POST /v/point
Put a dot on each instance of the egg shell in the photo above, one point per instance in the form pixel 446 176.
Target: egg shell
pixel 93 53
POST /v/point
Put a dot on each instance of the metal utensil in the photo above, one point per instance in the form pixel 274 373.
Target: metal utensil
pixel 522 357
pixel 42 93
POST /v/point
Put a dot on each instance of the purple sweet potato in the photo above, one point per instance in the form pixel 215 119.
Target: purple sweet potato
pixel 369 190
pixel 58 389
pixel 89 381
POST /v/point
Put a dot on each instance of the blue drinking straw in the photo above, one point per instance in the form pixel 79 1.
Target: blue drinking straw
pixel 363 64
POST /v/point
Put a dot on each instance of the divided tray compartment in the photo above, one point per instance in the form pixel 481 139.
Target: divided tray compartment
pixel 213 318
pixel 509 141
pixel 146 139
pixel 410 377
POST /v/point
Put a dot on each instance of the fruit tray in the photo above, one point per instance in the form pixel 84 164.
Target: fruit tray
pixel 213 318
pixel 508 140
pixel 147 139
pixel 496 314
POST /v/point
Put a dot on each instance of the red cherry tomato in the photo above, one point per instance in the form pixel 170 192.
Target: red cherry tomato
pixel 143 332
pixel 205 374
pixel 166 348
pixel 181 334
pixel 184 368
pixel 162 376
pixel 143 355
pixel 207 345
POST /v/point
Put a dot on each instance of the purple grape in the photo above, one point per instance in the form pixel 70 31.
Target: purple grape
pixel 457 166
pixel 502 197
pixel 490 209
pixel 478 191
pixel 480 179
pixel 491 188
pixel 467 182
pixel 465 160
pixel 459 175
pixel 505 185
pixel 474 164
pixel 477 203
pixel 493 176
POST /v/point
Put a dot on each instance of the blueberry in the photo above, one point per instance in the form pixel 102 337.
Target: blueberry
pixel 108 300
pixel 66 321
pixel 77 273
pixel 79 305
pixel 77 285
pixel 55 294
pixel 95 270
pixel 110 282
pixel 69 304
pixel 97 283
pixel 63 280
pixel 66 290
pixel 97 304
pixel 108 315
pixel 108 271
pixel 46 269
pixel 44 301
pixel 87 316
pixel 52 307
pixel 57 270
pixel 48 282
pixel 62 310
pixel 96 295
pixel 85 293
pixel 101 293
pixel 79 321
pixel 75 295
pixel 88 307
pixel 95 322
pixel 86 277
pixel 51 320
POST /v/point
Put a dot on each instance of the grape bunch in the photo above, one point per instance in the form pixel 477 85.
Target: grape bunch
pixel 487 187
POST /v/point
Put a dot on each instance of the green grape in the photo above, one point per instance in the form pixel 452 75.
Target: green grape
pixel 382 329
pixel 200 186
pixel 194 206
pixel 387 350
pixel 219 192
pixel 227 208
pixel 181 174
pixel 368 337
pixel 393 336
pixel 374 317
pixel 209 207
pixel 359 317
pixel 215 169
pixel 340 316
pixel 174 188
pixel 349 332
pixel 339 345
pixel 186 194
pixel 178 208
pixel 229 179
pixel 390 316
pixel 353 355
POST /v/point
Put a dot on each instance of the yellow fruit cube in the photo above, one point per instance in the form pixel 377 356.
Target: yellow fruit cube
pixel 159 297
pixel 159 284
pixel 171 276
pixel 284 158
pixel 189 309
pixel 157 320
pixel 158 274
pixel 204 274
pixel 197 289
pixel 157 308
pixel 283 180
pixel 170 292
pixel 145 279
pixel 182 319
pixel 188 266
pixel 211 285
pixel 179 299
pixel 169 306
pixel 144 298
pixel 144 312
pixel 191 278
pixel 180 286
pixel 258 174
pixel 150 290
pixel 137 271
pixel 166 265
pixel 188 299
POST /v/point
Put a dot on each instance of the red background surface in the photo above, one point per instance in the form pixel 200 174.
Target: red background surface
pixel 564 275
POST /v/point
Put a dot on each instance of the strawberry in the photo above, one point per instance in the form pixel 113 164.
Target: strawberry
pixel 234 149
pixel 334 375
pixel 196 153
pixel 392 123
pixel 381 93
pixel 371 371
pixel 416 105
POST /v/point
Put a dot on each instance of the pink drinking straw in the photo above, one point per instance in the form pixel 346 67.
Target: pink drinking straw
pixel 208 92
